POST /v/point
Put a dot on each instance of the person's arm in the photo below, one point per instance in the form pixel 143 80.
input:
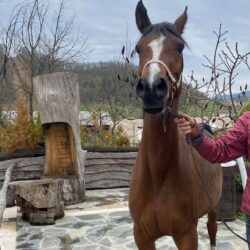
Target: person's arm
pixel 227 147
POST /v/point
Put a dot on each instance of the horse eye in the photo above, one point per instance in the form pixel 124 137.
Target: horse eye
pixel 137 50
pixel 180 48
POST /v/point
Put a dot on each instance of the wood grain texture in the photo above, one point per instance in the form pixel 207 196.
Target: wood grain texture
pixel 102 170
pixel 109 170
pixel 4 189
pixel 58 103
pixel 40 201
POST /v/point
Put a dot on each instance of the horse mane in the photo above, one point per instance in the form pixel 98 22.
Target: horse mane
pixel 164 28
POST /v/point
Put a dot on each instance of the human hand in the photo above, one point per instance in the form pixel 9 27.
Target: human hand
pixel 185 124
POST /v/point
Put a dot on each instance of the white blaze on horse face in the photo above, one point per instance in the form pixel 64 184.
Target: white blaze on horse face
pixel 156 47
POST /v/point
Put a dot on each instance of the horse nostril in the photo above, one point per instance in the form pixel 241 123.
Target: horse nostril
pixel 140 87
pixel 160 87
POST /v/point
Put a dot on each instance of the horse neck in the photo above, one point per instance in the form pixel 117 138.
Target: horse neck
pixel 156 136
pixel 157 140
pixel 159 150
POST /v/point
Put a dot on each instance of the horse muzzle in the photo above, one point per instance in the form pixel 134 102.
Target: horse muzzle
pixel 153 110
pixel 152 94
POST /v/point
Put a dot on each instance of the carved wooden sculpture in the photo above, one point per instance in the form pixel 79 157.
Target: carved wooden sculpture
pixel 58 103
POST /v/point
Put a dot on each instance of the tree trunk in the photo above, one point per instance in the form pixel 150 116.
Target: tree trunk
pixel 40 200
pixel 58 102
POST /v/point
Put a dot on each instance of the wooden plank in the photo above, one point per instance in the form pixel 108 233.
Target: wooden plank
pixel 29 168
pixel 119 169
pixel 131 155
pixel 107 184
pixel 22 153
pixel 114 162
pixel 102 170
pixel 23 162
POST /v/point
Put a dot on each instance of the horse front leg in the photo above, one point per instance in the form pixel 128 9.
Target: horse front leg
pixel 212 228
pixel 188 240
pixel 142 240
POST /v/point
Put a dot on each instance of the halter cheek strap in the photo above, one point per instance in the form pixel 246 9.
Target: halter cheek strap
pixel 166 112
pixel 172 78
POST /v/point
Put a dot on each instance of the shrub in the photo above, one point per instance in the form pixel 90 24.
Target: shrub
pixel 22 132
pixel 97 135
pixel 120 138
pixel 238 182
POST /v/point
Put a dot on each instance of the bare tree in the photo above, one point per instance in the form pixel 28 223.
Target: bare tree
pixel 43 47
pixel 230 58
pixel 6 49
pixel 223 68
pixel 124 78
pixel 31 28
pixel 63 44
pixel 117 107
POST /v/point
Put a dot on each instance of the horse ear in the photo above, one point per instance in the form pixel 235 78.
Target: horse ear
pixel 141 16
pixel 180 22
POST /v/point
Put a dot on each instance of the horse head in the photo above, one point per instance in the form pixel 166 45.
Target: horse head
pixel 160 60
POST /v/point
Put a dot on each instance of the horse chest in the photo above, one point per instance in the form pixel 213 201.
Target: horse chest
pixel 161 197
pixel 164 212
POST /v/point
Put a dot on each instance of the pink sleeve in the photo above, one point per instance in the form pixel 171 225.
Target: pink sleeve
pixel 229 146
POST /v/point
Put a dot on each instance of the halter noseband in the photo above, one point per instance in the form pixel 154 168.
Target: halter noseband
pixel 172 78
pixel 166 112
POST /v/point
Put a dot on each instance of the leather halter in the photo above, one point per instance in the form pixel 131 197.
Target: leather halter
pixel 172 78
pixel 167 111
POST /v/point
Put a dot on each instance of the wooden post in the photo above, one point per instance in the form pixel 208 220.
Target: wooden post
pixel 58 103
pixel 3 191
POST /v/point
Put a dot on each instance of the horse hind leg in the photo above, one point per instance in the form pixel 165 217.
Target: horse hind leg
pixel 212 228
pixel 142 240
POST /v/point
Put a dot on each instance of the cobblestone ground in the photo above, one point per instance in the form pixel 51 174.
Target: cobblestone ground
pixel 103 222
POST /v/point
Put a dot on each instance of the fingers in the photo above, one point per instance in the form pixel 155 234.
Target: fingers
pixel 187 118
pixel 185 125
pixel 185 131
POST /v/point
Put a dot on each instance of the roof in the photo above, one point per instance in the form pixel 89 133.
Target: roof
pixel 85 117
pixel 104 118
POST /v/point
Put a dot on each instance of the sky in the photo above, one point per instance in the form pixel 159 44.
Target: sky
pixel 109 24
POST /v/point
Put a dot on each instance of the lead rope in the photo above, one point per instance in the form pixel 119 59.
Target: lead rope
pixel 168 113
pixel 188 139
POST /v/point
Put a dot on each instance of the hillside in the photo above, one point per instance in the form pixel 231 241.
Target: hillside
pixel 108 86
pixel 237 95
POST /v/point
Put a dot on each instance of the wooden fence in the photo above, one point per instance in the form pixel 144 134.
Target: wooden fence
pixel 108 170
pixel 102 170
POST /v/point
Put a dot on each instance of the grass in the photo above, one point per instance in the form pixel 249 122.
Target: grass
pixel 241 216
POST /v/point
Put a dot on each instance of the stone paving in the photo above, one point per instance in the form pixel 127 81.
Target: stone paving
pixel 103 222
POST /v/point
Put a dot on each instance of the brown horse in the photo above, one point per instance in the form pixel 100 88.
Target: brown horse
pixel 172 186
